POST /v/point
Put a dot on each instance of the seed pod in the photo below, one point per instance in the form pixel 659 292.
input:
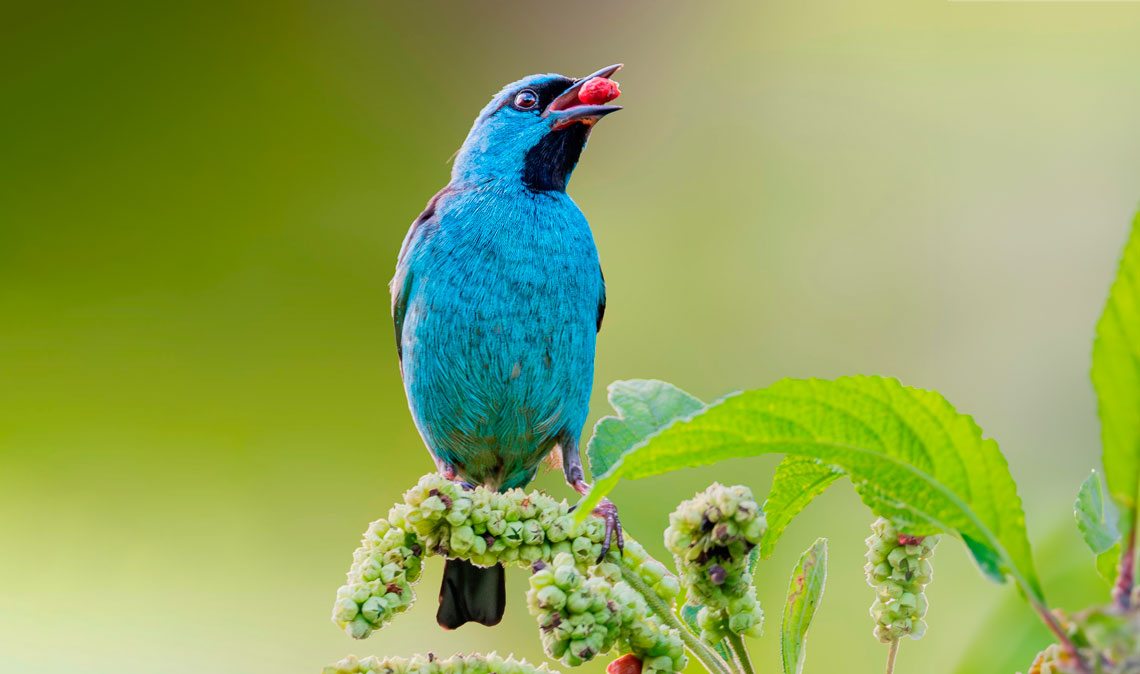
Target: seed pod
pixel 441 517
pixel 487 527
pixel 571 629
pixel 898 567
pixel 379 583
pixel 599 612
pixel 713 537
pixel 474 663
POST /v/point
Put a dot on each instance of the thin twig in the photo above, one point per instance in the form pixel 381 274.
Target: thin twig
pixel 1063 638
pixel 891 656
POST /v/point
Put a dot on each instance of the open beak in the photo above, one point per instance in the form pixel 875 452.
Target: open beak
pixel 567 109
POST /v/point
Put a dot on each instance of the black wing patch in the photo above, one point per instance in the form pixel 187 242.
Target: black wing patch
pixel 402 282
pixel 399 308
pixel 602 302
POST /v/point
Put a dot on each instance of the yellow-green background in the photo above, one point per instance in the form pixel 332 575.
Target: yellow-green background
pixel 201 205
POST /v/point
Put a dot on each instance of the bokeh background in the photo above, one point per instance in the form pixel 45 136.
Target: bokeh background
pixel 201 205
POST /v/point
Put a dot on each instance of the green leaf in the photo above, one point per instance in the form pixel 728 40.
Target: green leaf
pixel 644 406
pixel 798 480
pixel 804 594
pixel 1096 518
pixel 1108 564
pixel 1116 378
pixel 689 615
pixel 989 563
pixel 910 456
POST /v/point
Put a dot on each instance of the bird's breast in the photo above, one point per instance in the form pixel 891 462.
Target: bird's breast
pixel 498 339
pixel 536 266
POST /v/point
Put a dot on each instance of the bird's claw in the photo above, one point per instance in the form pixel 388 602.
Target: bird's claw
pixel 608 512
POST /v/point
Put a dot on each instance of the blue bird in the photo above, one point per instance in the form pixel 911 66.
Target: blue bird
pixel 497 300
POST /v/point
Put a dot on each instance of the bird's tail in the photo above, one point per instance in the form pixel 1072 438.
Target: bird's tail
pixel 471 593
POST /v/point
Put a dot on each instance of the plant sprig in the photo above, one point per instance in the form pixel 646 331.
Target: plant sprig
pixel 914 460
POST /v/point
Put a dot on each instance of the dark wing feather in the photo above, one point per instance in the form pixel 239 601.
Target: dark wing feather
pixel 602 301
pixel 399 308
pixel 402 282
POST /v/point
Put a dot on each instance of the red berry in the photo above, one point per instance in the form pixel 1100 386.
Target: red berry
pixel 598 90
pixel 626 664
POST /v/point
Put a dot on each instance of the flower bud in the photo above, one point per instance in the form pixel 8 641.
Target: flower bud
pixel 1053 660
pixel 668 587
pixel 567 577
pixel 344 610
pixel 551 598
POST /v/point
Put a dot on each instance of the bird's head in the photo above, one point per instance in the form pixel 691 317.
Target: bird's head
pixel 534 131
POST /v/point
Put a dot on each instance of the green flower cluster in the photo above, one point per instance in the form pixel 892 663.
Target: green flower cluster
pixel 429 664
pixel 583 614
pixel 439 516
pixel 898 567
pixel 488 527
pixel 713 537
pixel 379 583
pixel 1053 660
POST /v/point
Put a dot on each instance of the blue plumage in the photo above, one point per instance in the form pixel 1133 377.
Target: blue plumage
pixel 497 298
pixel 503 290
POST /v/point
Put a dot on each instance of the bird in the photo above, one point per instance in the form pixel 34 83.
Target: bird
pixel 497 300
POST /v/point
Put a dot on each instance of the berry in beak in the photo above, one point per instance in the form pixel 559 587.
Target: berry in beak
pixel 583 101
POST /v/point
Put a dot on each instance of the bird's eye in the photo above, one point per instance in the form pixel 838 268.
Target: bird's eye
pixel 526 99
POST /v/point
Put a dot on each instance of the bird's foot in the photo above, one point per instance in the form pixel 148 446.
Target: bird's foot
pixel 608 512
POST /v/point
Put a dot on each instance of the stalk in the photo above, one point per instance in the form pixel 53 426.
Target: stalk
pixel 891 654
pixel 1043 612
pixel 1062 637
pixel 1125 578
pixel 740 652
pixel 700 650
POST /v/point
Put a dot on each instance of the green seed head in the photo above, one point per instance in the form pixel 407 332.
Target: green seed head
pixel 712 538
pixel 898 567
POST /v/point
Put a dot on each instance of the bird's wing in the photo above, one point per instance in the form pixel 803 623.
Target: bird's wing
pixel 602 300
pixel 401 283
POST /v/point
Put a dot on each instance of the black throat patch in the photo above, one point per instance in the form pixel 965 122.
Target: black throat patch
pixel 548 164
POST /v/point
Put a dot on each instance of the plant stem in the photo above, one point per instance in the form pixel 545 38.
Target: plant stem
pixel 894 651
pixel 1122 590
pixel 701 651
pixel 740 652
pixel 1033 595
pixel 1062 637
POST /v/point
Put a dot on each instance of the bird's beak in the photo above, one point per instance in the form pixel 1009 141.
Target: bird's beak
pixel 567 109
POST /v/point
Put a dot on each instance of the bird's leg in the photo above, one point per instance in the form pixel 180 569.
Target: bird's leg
pixel 450 472
pixel 446 469
pixel 575 477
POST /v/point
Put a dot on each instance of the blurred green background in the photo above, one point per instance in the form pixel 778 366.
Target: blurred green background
pixel 201 206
